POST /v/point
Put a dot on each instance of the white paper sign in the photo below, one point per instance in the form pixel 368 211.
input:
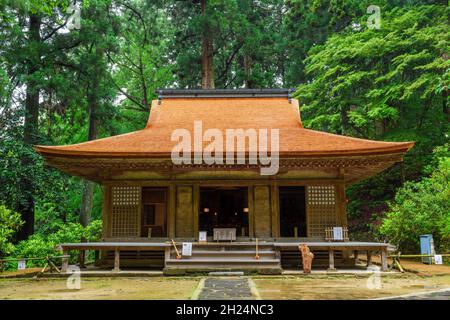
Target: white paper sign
pixel 187 249
pixel 21 265
pixel 438 259
pixel 202 236
pixel 338 233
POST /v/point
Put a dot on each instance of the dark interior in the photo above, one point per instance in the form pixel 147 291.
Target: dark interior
pixel 292 211
pixel 153 212
pixel 222 207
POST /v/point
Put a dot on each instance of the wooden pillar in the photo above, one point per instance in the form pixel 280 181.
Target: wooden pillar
pixel 355 254
pixel 81 258
pixel 171 213
pixel 274 197
pixel 106 212
pixel 331 260
pixel 116 260
pixel 184 212
pixel 166 255
pixel 262 212
pixel 369 258
pixel 65 261
pixel 384 263
pixel 106 219
pixel 196 209
pixel 251 229
pixel 341 210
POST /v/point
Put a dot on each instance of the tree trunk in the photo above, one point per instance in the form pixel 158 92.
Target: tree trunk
pixel 248 83
pixel 93 105
pixel 30 130
pixel 445 107
pixel 88 187
pixel 207 53
pixel 30 133
pixel 86 203
pixel 344 120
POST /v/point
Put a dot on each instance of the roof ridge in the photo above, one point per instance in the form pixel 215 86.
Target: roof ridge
pixel 224 93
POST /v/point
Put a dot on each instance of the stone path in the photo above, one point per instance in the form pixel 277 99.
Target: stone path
pixel 225 288
pixel 438 295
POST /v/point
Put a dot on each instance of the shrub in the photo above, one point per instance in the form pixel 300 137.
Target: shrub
pixel 421 208
pixel 10 222
pixel 39 245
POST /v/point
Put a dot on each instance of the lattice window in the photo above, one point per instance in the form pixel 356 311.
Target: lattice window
pixel 321 206
pixel 125 211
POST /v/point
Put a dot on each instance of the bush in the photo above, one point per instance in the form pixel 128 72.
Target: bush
pixel 421 208
pixel 93 231
pixel 10 222
pixel 39 245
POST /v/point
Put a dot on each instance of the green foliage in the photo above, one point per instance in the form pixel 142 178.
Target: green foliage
pixel 248 41
pixel 389 84
pixel 10 222
pixel 42 245
pixel 364 81
pixel 422 208
pixel 310 23
pixel 382 84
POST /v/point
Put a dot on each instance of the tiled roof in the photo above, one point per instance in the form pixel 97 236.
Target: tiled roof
pixel 226 113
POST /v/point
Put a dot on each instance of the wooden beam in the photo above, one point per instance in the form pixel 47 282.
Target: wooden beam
pixel 219 182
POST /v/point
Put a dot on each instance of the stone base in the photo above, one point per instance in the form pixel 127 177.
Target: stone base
pixel 206 271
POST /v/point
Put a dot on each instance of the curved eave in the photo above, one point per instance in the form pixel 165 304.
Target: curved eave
pixel 392 148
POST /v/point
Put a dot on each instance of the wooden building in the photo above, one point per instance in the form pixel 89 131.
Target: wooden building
pixel 150 200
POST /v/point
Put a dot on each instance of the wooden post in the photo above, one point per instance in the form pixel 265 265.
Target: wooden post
pixel 331 260
pixel 171 211
pixel 355 254
pixel 81 258
pixel 65 261
pixel 384 263
pixel 250 214
pixel 166 255
pixel 116 260
pixel 369 258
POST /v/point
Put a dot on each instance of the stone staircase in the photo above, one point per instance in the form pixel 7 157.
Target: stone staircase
pixel 213 257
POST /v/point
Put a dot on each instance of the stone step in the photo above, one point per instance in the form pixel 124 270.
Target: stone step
pixel 229 245
pixel 232 251
pixel 222 261
pixel 206 268
pixel 229 253
pixel 221 258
